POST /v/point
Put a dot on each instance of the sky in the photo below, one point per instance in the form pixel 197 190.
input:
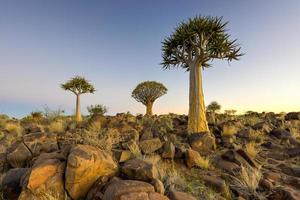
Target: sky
pixel 116 44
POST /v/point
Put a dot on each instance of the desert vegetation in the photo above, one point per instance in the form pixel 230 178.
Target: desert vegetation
pixel 251 156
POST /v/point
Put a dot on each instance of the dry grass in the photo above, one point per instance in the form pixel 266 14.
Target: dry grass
pixel 247 181
pixel 229 130
pixel 203 163
pixel 252 149
pixel 14 127
pixel 56 126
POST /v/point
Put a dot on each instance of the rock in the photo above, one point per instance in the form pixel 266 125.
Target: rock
pixel 169 150
pixel 118 188
pixel 150 146
pixel 293 152
pixel 143 196
pixel 158 186
pixel 283 193
pixel 95 193
pixel 11 183
pixel 202 142
pixel 84 166
pixel 176 195
pixel 139 170
pixel 292 116
pixel 230 167
pixel 40 142
pixel 239 157
pixel 272 176
pixel 289 170
pixel 215 182
pixel 280 133
pixel 19 155
pixel 147 135
pixel 263 127
pixel 125 155
pixel 33 128
pixel 46 178
pixel 193 158
pixel 265 184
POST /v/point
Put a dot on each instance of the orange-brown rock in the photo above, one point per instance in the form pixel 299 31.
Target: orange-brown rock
pixel 84 166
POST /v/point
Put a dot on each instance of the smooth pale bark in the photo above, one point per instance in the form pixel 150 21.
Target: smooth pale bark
pixel 78 114
pixel 149 108
pixel 197 118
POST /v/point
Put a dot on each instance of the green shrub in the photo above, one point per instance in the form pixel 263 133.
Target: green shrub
pixel 97 109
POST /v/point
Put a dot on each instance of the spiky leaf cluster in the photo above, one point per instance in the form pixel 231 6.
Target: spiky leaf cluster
pixel 213 106
pixel 78 85
pixel 199 39
pixel 97 109
pixel 148 91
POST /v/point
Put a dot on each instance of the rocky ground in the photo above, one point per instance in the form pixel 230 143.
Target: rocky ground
pixel 126 157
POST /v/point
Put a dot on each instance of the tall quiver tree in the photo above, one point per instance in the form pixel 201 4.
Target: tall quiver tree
pixel 78 85
pixel 192 46
pixel 147 92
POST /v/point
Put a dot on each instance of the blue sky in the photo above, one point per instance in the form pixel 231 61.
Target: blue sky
pixel 117 44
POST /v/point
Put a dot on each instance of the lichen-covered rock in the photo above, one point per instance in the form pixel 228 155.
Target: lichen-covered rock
pixel 137 169
pixel 151 145
pixel 46 178
pixel 84 166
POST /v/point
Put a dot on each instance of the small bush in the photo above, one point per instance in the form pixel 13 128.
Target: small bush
pixel 56 126
pixel 97 109
pixel 14 127
pixel 53 114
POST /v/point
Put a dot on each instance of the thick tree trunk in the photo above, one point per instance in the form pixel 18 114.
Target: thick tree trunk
pixel 78 114
pixel 197 118
pixel 149 108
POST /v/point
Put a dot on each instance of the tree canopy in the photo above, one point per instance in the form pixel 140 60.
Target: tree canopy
pixel 214 106
pixel 78 85
pixel 200 39
pixel 148 91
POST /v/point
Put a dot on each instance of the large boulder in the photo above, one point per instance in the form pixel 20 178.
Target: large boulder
pixel 131 190
pixel 137 169
pixel 202 142
pixel 45 179
pixel 18 155
pixel 151 145
pixel 84 166
pixel 40 142
pixel 11 183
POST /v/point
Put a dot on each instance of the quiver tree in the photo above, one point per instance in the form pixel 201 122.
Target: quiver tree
pixel 213 107
pixel 192 46
pixel 147 92
pixel 78 85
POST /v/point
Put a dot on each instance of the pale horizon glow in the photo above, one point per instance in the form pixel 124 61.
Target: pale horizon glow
pixel 117 45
